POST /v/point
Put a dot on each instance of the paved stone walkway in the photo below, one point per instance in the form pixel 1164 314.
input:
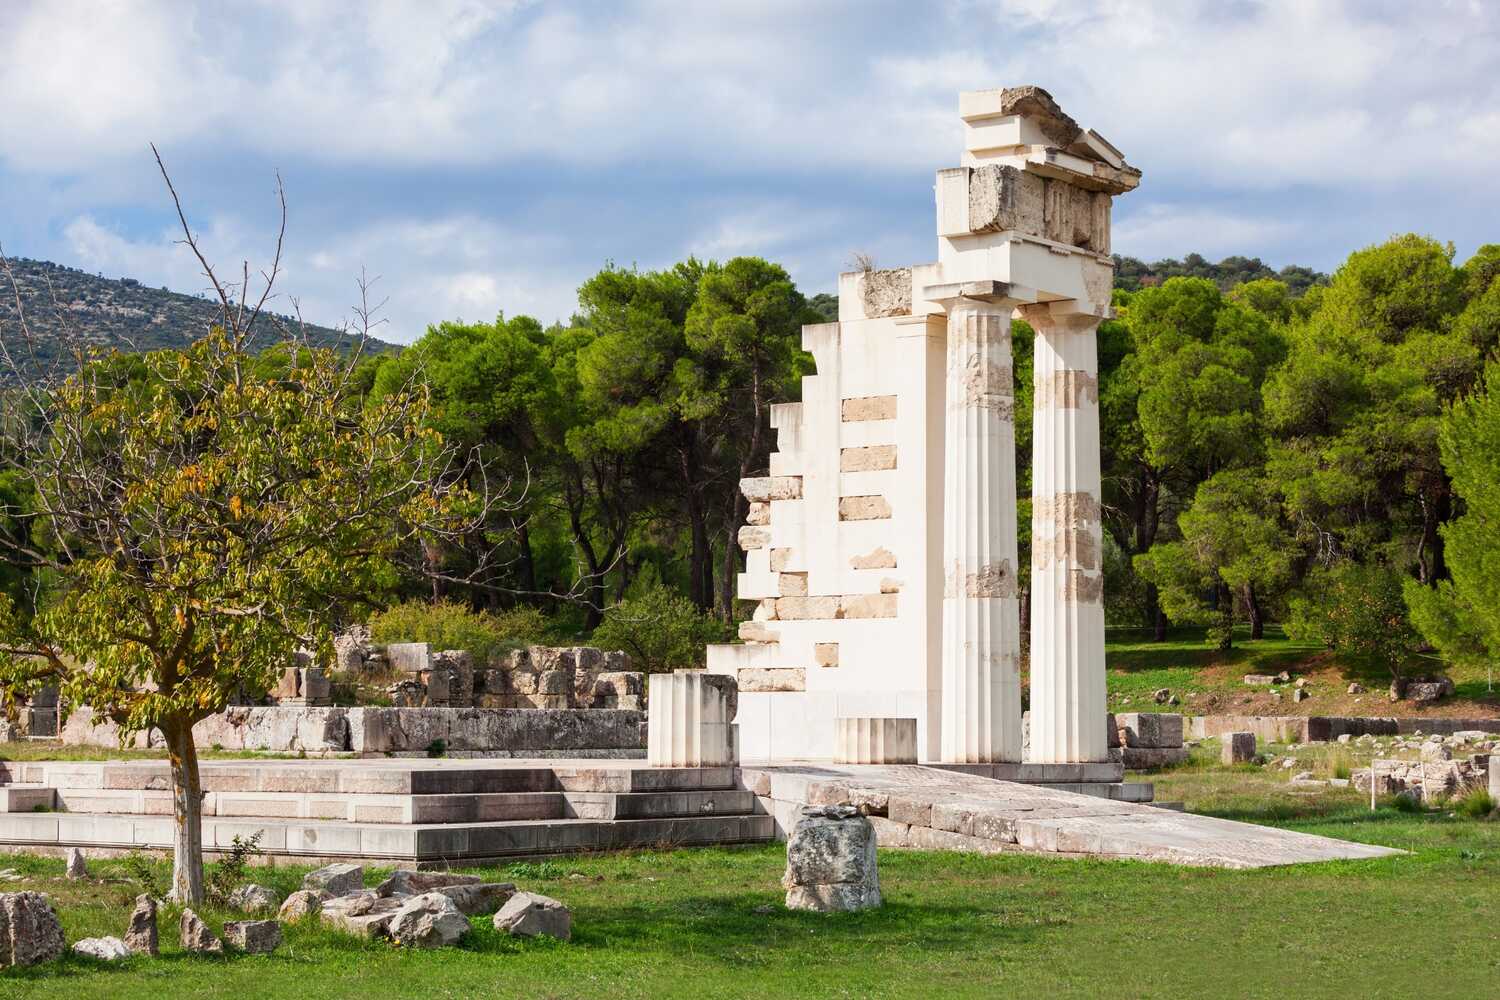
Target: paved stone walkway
pixel 924 807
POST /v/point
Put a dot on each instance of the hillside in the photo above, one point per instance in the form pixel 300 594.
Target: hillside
pixel 118 312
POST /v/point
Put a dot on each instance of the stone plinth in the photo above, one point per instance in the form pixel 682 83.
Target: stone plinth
pixel 830 861
pixel 981 694
pixel 867 740
pixel 689 722
pixel 1067 577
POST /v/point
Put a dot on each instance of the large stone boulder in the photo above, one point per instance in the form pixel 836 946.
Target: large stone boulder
pixel 29 929
pixel 530 914
pixel 830 861
pixel 254 937
pixel 254 898
pixel 103 949
pixel 302 904
pixel 430 920
pixel 140 933
pixel 196 937
pixel 336 879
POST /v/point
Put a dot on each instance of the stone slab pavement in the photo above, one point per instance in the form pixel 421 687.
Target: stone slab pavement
pixel 916 806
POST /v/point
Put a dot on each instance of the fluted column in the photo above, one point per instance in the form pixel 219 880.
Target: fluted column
pixel 981 616
pixel 1067 580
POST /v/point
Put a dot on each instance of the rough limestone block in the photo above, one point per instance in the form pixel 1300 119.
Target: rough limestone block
pixel 363 914
pixel 757 632
pixel 763 679
pixel 868 606
pixel 758 514
pixel 780 559
pixel 1111 731
pixel 1152 758
pixel 196 937
pixel 78 865
pixel 430 920
pixel 1151 730
pixel 689 724
pixel 339 879
pixel 302 904
pixel 1238 748
pixel 886 292
pixel 866 508
pixel 409 657
pixel 867 740
pixel 873 458
pixel 830 861
pixel 1494 777
pixel 29 929
pixel 826 654
pixel 751 537
pixel 254 898
pixel 791 584
pixel 254 937
pixel 807 608
pixel 530 914
pixel 140 932
pixel 861 408
pixel 880 558
pixel 764 489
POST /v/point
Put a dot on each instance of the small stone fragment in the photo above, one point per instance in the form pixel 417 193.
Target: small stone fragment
pixel 105 949
pixel 254 937
pixel 78 865
pixel 196 937
pixel 254 898
pixel 530 914
pixel 140 934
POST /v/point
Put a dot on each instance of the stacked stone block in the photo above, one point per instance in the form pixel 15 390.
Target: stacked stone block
pixel 1151 740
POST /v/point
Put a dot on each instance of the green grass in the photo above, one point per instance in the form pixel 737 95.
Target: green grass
pixel 697 923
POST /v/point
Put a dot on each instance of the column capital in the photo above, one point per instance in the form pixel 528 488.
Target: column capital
pixel 1069 316
pixel 1000 294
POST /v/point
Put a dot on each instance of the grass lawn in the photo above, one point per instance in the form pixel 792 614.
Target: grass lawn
pixel 708 923
pixel 1211 682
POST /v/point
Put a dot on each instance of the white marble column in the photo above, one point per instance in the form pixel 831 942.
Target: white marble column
pixel 1067 580
pixel 981 616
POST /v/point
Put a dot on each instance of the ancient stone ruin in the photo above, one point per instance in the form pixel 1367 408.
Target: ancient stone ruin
pixel 882 546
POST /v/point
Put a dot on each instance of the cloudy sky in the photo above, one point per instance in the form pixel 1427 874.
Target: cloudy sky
pixel 488 156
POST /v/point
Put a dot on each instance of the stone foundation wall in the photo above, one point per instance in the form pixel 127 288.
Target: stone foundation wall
pixel 1324 728
pixel 502 732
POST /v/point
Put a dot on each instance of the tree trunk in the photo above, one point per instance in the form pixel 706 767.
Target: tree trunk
pixel 1225 600
pixel 187 811
pixel 1157 616
pixel 528 558
pixel 1257 620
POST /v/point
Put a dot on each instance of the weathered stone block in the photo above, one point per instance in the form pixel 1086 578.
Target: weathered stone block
pixel 886 292
pixel 430 920
pixel 762 679
pixel 751 537
pixel 767 488
pixel 530 914
pixel 780 559
pixel 1153 730
pixel 869 408
pixel 254 937
pixel 865 508
pixel 868 606
pixel 826 654
pixel 409 657
pixel 30 932
pixel 196 937
pixel 140 932
pixel 1237 748
pixel 880 558
pixel 753 631
pixel 872 458
pixel 830 861
pixel 102 949
pixel 758 514
pixel 792 584
pixel 339 879
pixel 804 608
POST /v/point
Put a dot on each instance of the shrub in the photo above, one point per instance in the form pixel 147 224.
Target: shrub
pixel 1356 610
pixel 1476 804
pixel 225 877
pixel 660 630
pixel 450 625
pixel 143 871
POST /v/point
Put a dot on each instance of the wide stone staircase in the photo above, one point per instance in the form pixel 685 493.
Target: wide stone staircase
pixel 408 812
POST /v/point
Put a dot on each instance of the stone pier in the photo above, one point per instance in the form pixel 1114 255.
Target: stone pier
pixel 1067 578
pixel 981 721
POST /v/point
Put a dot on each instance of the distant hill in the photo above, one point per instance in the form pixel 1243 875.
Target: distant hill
pixel 122 312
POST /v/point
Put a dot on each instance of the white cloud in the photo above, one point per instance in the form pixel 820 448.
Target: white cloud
pixel 1164 230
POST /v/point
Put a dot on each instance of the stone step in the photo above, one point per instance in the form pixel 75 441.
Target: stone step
pixel 403 843
pixel 27 798
pixel 367 777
